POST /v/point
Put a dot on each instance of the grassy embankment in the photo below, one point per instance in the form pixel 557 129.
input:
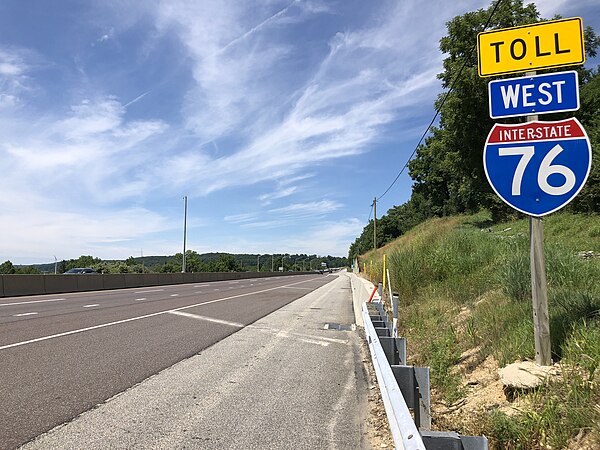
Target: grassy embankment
pixel 464 288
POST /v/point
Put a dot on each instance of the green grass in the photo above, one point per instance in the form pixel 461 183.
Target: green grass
pixel 447 265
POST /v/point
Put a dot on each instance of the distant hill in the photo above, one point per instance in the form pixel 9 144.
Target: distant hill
pixel 248 261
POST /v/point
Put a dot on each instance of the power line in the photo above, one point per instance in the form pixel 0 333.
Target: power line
pixel 438 109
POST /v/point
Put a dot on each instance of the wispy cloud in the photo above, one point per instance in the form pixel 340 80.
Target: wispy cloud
pixel 281 193
pixel 338 109
pixel 241 218
pixel 285 215
pixel 311 209
pixel 331 238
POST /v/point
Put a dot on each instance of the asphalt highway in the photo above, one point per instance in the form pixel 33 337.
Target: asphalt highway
pixel 61 355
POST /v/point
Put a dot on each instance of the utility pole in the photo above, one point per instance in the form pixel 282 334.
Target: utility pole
pixel 184 232
pixel 142 255
pixel 55 264
pixel 375 223
pixel 272 262
pixel 258 263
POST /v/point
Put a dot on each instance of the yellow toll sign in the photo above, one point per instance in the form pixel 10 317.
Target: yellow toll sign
pixel 541 45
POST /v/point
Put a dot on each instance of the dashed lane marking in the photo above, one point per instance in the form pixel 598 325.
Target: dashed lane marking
pixel 33 301
pixel 148 291
pixel 25 314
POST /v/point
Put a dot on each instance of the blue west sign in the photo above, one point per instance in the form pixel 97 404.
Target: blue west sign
pixel 537 167
pixel 536 94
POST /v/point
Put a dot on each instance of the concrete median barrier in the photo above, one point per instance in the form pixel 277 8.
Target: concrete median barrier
pixel 88 282
pixel 23 285
pixel 54 284
pixel 114 281
pixel 19 285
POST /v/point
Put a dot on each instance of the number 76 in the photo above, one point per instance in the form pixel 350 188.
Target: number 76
pixel 546 169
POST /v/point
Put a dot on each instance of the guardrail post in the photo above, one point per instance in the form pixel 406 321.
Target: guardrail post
pixel 450 440
pixel 401 348
pixel 414 384
pixel 423 406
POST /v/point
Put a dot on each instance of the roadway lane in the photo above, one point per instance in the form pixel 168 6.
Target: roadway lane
pixel 80 349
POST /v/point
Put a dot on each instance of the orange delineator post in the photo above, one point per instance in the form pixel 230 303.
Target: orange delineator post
pixel 372 294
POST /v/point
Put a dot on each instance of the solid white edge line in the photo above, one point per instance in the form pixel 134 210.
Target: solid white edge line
pixel 145 316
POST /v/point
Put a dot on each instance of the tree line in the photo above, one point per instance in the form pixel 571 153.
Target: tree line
pixel 194 262
pixel 447 170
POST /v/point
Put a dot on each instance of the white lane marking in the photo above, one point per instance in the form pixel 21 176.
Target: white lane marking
pixel 151 290
pixel 91 306
pixel 312 339
pixel 294 287
pixel 25 314
pixel 131 319
pixel 207 319
pixel 174 295
pixel 140 299
pixel 33 301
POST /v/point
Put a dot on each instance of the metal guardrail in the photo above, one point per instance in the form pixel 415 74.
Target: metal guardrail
pixel 404 431
pixel 404 388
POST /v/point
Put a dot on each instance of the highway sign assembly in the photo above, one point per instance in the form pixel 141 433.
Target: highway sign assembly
pixel 537 167
pixel 555 43
pixel 536 94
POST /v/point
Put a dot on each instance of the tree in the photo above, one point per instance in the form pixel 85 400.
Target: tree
pixel 193 262
pixel 28 270
pixel 84 261
pixel 7 268
pixel 588 200
pixel 226 263
pixel 62 266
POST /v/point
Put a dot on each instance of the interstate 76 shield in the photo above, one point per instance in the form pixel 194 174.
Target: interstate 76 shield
pixel 537 167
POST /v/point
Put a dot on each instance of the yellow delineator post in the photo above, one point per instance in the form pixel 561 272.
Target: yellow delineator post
pixel 542 45
pixel 384 267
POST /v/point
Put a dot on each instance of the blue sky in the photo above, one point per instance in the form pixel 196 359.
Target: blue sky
pixel 280 120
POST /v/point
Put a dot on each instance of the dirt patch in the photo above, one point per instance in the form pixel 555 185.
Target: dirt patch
pixel 484 391
pixel 585 441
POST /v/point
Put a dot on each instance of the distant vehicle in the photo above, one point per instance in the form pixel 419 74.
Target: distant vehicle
pixel 80 271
